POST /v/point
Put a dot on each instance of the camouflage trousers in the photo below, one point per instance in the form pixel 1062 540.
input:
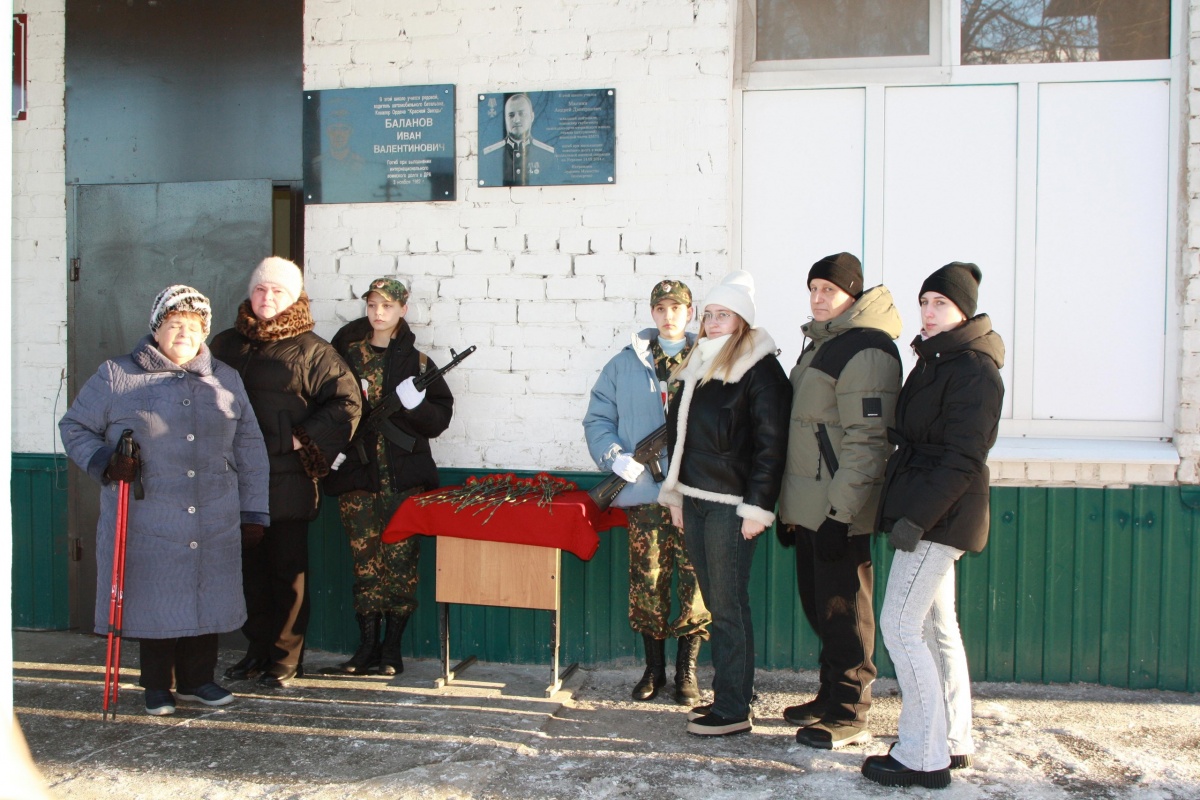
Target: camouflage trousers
pixel 656 554
pixel 385 575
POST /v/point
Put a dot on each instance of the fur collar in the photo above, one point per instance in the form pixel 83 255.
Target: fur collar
pixel 762 345
pixel 295 320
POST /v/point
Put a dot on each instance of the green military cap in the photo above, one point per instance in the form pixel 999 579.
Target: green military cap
pixel 390 289
pixel 671 290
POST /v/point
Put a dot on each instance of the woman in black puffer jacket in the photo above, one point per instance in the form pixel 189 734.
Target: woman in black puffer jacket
pixel 935 508
pixel 727 432
pixel 308 404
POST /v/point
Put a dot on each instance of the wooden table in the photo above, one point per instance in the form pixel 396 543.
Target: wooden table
pixel 508 559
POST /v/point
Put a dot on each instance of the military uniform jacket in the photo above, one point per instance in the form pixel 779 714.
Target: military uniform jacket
pixel 846 380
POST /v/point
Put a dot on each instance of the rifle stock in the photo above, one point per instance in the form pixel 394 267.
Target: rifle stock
pixel 647 453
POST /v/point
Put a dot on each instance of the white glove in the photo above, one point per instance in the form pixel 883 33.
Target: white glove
pixel 624 466
pixel 337 462
pixel 408 394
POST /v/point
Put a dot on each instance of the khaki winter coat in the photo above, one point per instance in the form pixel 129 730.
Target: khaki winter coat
pixel 856 407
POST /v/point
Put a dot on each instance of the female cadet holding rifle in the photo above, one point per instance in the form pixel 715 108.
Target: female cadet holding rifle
pixel 388 460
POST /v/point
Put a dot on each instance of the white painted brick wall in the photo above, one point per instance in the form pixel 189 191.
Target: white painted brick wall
pixel 548 282
pixel 39 238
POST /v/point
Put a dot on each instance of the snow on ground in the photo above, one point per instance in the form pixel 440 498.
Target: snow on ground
pixel 495 735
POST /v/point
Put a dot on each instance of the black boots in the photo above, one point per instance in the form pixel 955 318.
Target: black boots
pixel 655 676
pixel 687 693
pixel 390 661
pixel 248 667
pixel 366 657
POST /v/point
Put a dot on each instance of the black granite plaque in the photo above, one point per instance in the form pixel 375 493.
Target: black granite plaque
pixel 547 138
pixel 379 145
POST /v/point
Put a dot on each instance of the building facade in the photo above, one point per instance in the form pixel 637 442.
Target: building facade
pixel 1061 157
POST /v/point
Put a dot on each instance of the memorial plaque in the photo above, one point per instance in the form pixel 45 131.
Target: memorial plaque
pixel 379 145
pixel 547 138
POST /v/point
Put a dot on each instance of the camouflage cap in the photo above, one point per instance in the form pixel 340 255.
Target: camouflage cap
pixel 671 290
pixel 390 288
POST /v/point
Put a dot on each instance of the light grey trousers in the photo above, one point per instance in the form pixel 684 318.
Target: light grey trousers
pixel 920 630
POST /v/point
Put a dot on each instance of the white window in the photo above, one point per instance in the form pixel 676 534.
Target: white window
pixel 1046 153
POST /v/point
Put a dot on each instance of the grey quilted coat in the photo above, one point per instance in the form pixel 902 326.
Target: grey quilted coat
pixel 204 470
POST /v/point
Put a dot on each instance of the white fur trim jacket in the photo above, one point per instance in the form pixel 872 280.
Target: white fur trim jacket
pixel 728 436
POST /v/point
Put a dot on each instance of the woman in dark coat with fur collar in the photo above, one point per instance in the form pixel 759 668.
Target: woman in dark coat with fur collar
pixel 935 508
pixel 727 431
pixel 308 405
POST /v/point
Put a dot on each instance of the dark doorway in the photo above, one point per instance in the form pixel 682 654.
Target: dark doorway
pixel 183 122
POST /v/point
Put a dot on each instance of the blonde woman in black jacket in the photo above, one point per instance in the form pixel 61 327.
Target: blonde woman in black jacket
pixel 727 430
pixel 935 508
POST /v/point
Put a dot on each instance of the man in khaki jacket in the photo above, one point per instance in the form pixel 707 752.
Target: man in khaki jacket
pixel 844 391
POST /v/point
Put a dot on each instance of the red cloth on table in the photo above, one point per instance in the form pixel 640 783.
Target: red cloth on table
pixel 571 522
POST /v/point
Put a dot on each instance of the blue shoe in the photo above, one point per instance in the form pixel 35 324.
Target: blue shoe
pixel 159 702
pixel 210 694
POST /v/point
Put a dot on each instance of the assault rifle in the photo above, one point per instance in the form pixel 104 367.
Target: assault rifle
pixel 647 452
pixel 379 420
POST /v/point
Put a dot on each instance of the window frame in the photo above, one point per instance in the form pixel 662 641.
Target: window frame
pixel 876 75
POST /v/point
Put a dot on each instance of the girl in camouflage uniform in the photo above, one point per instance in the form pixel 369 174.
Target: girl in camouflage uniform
pixel 382 468
pixel 627 404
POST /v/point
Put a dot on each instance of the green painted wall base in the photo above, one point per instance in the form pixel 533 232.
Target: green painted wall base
pixel 1093 585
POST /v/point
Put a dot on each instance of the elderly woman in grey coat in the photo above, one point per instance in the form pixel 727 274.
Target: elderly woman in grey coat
pixel 203 468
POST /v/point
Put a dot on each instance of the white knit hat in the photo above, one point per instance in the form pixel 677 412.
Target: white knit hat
pixel 281 272
pixel 180 298
pixel 735 292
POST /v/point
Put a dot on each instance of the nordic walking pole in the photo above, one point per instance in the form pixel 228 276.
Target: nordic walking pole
pixel 116 599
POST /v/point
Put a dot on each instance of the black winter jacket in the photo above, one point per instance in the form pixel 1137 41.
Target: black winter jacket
pixel 728 440
pixel 298 386
pixel 947 418
pixel 425 422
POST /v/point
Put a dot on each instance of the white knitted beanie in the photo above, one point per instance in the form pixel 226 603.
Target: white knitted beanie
pixel 735 292
pixel 281 272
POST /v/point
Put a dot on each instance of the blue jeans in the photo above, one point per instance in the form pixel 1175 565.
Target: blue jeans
pixel 712 533
pixel 921 632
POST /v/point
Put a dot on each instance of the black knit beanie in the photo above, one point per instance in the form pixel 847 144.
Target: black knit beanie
pixel 842 270
pixel 958 281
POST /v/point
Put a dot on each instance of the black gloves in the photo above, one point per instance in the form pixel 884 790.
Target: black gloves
pixel 121 468
pixel 831 541
pixel 905 534
pixel 252 534
pixel 786 534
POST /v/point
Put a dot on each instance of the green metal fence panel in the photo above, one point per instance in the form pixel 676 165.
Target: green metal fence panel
pixel 39 542
pixel 1091 585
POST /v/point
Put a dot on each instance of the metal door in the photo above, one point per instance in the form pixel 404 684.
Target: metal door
pixel 129 242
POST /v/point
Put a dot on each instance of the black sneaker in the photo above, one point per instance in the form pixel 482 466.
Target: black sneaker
pixel 210 694
pixel 713 725
pixel 831 734
pixel 159 702
pixel 699 711
pixel 887 771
